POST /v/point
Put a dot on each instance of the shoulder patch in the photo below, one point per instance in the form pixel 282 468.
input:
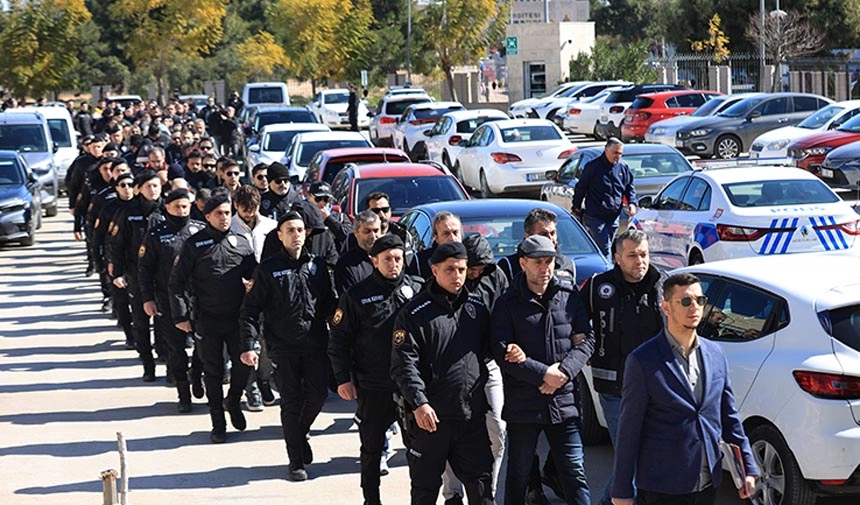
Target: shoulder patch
pixel 249 286
pixel 398 338
pixel 470 309
pixel 232 240
pixel 142 251
pixel 338 316
pixel 114 229
pixel 605 290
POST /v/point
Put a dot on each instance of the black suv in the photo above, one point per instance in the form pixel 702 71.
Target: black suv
pixel 612 110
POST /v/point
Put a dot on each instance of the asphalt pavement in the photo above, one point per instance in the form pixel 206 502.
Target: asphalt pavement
pixel 67 387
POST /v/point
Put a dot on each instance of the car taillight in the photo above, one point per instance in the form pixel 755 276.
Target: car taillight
pixel 421 121
pixel 505 158
pixel 643 115
pixel 616 109
pixel 574 112
pixel 387 120
pixel 828 385
pixel 731 233
pixel 454 140
pixel 565 154
pixel 851 227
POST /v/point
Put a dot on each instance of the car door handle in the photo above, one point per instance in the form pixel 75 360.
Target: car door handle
pixel 783 120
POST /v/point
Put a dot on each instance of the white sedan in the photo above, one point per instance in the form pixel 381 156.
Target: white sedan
pixel 304 146
pixel 512 156
pixel 523 108
pixel 580 117
pixel 274 140
pixel 330 106
pixel 742 212
pixel 771 148
pixel 443 140
pixel 408 133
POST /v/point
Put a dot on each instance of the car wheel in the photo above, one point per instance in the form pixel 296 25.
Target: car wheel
pixel 551 114
pixel 447 162
pixel 458 173
pixel 30 239
pixel 486 192
pixel 419 152
pixel 727 146
pixel 695 258
pixel 51 211
pixel 592 433
pixel 598 133
pixel 781 482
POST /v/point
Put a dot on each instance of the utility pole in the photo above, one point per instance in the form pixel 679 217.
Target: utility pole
pixel 762 84
pixel 409 41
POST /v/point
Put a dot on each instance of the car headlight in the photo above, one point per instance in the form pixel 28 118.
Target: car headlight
pixel 13 205
pixel 701 132
pixel 818 151
pixel 657 130
pixel 330 112
pixel 778 145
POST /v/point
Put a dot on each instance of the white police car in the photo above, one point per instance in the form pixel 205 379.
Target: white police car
pixel 739 212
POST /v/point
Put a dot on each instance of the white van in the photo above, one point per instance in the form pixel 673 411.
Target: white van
pixel 63 134
pixel 268 93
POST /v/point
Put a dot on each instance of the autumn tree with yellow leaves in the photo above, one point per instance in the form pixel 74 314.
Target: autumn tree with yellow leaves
pixel 716 44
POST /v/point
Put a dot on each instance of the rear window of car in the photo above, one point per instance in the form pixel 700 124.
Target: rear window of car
pixel 845 325
pixel 534 133
pixel 642 103
pixel 433 113
pixel 265 95
pixel 470 125
pixel 505 233
pixel 656 164
pixel 23 137
pixel 407 192
pixel 334 166
pixel 397 107
pixel 307 150
pixel 279 141
pixel 10 174
pixel 777 193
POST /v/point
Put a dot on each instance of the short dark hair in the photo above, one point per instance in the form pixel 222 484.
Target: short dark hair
pixel 259 167
pixel 247 197
pixel 194 154
pixel 683 279
pixel 631 234
pixel 204 194
pixel 538 215
pixel 376 195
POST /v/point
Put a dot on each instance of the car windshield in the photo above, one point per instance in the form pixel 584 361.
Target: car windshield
pixel 709 107
pixel 60 132
pixel 820 117
pixel 469 125
pixel 656 164
pixel 334 166
pixel 306 150
pixel 777 193
pixel 851 126
pixel 506 232
pixel 330 98
pixel 407 192
pixel 529 133
pixel 23 137
pixel 10 174
pixel 279 141
pixel 741 108
pixel 286 116
pixel 845 325
pixel 397 107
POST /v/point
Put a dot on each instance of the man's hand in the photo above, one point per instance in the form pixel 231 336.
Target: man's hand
pixel 249 358
pixel 347 391
pixel 748 488
pixel 547 389
pixel 578 338
pixel 120 283
pixel 150 308
pixel 325 211
pixel 632 209
pixel 577 213
pixel 72 211
pixel 622 501
pixel 514 354
pixel 78 236
pixel 426 418
pixel 184 326
pixel 554 377
pixel 110 269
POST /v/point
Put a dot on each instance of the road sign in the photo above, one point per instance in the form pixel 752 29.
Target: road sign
pixel 364 78
pixel 511 46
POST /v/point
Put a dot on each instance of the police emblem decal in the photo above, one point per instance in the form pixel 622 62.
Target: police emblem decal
pixel 606 290
pixel 407 291
pixel 249 285
pixel 338 315
pixel 470 309
pixel 233 240
pixel 142 251
pixel 398 338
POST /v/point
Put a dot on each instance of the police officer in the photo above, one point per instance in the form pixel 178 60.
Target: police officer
pixel 360 352
pixel 80 180
pixel 624 307
pixel 293 289
pixel 282 194
pixel 158 252
pixel 108 169
pixel 439 345
pixel 128 233
pixel 213 265
pixel 356 264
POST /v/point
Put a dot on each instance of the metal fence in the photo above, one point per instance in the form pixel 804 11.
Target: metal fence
pixel 694 70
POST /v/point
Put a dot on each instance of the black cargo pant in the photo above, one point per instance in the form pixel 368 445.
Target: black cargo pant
pixel 463 444
pixel 173 340
pixel 142 332
pixel 123 312
pixel 302 379
pixel 375 413
pixel 214 335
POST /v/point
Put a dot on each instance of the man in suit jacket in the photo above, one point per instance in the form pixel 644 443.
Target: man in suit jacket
pixel 677 404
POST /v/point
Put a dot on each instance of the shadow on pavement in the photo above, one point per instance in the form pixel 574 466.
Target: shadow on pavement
pixel 98 364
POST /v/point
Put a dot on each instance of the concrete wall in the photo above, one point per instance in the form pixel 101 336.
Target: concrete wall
pixel 554 44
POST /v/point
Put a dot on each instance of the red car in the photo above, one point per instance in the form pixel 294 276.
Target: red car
pixel 652 107
pixel 326 164
pixel 809 152
pixel 407 185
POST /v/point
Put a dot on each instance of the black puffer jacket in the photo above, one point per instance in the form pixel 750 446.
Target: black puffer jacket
pixel 492 282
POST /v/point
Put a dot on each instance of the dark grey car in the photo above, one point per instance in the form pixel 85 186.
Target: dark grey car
pixel 841 167
pixel 732 131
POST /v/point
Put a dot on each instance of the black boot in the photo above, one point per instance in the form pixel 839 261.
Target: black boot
pixel 149 371
pixel 234 408
pixel 129 337
pixel 219 426
pixel 184 390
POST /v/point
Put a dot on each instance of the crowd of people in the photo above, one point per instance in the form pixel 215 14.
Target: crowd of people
pixel 271 289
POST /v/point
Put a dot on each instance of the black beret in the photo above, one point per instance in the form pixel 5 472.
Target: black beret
pixel 144 177
pixel 111 146
pixel 448 250
pixel 290 216
pixel 217 200
pixel 385 243
pixel 123 176
pixel 176 194
pixel 100 137
pixel 277 170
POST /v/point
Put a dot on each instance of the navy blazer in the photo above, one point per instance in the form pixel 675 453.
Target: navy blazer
pixel 663 430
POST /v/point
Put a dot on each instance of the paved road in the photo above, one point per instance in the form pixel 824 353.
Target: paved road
pixel 67 387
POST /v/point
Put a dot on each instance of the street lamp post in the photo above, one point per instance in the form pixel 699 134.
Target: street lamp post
pixel 762 84
pixel 409 40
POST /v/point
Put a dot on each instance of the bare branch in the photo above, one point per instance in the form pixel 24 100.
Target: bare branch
pixel 786 35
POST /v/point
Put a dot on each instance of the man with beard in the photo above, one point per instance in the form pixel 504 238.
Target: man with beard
pixel 293 290
pixel 282 194
pixel 356 265
pixel 360 352
pixel 126 238
pixel 156 256
pixel 214 265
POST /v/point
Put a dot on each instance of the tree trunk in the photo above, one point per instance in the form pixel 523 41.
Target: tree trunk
pixel 449 79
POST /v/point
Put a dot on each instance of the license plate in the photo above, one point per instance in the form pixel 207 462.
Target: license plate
pixel 679 143
pixel 535 177
pixel 826 172
pixel 604 119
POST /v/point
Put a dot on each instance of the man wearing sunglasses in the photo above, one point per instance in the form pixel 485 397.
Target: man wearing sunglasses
pixel 624 307
pixel 260 178
pixel 677 404
pixel 336 222
pixel 282 196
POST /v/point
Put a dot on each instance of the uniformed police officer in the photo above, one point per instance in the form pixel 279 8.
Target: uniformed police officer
pixel 294 290
pixel 439 346
pixel 130 228
pixel 356 265
pixel 158 252
pixel 624 306
pixel 213 265
pixel 109 169
pixel 360 352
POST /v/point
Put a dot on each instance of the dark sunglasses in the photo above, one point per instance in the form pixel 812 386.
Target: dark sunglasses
pixel 282 180
pixel 383 210
pixel 206 148
pixel 324 198
pixel 688 300
pixel 232 174
pixel 125 185
pixel 261 177
pixel 208 165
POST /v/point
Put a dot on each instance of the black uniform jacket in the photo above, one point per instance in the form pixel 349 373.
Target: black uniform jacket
pixel 130 228
pixel 157 255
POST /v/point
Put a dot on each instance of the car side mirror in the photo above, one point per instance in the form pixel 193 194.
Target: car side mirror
pixel 646 202
pixel 428 133
pixel 55 147
pixel 464 143
pixel 834 125
pixel 254 148
pixel 397 120
pixel 754 114
pixel 32 178
pixel 551 175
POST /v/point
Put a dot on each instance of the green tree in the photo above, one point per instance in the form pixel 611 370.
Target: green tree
pixel 40 40
pixel 607 62
pixel 164 31
pixel 630 20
